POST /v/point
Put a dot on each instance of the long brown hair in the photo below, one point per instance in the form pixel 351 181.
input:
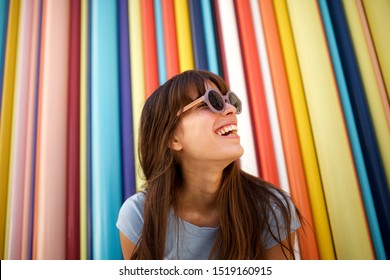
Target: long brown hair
pixel 244 201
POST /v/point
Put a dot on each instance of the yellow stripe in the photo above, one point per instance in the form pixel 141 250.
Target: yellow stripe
pixel 319 212
pixel 83 129
pixel 6 114
pixel 335 160
pixel 18 82
pixel 183 33
pixel 378 12
pixel 137 78
pixel 379 21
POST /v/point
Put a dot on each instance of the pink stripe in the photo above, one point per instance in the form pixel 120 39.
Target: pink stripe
pixel 30 111
pixel 19 131
pixel 50 203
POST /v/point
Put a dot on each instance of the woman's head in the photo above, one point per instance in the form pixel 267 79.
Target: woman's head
pixel 162 121
pixel 159 160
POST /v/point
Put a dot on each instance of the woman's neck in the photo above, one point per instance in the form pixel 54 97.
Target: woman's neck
pixel 197 199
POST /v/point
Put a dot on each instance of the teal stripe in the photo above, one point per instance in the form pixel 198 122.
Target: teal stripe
pixel 3 36
pixel 106 156
pixel 353 134
pixel 162 70
pixel 211 46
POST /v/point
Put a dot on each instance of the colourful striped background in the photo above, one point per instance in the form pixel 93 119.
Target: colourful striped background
pixel 313 77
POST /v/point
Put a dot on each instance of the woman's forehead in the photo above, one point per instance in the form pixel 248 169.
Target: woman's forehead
pixel 196 92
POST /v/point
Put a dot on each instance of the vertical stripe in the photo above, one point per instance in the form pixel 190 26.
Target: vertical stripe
pixel 210 36
pixel 269 96
pixel 127 151
pixel 137 77
pixel 50 181
pixel 149 45
pixel 105 114
pixel 183 31
pixel 32 94
pixel 260 116
pixel 220 45
pixel 235 70
pixel 159 26
pixel 73 145
pixel 83 128
pixel 3 36
pixel 13 248
pixel 198 36
pixel 7 114
pixel 170 38
pixel 89 136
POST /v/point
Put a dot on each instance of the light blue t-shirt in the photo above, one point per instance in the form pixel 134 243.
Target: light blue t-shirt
pixel 192 242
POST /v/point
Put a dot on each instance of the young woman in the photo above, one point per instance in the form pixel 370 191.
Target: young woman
pixel 197 203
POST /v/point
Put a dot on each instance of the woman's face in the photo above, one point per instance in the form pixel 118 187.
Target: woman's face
pixel 203 136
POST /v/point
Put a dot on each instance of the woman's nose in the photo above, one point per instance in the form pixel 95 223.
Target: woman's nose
pixel 229 109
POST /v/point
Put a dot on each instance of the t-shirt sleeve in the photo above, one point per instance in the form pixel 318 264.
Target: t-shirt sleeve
pixel 130 219
pixel 270 241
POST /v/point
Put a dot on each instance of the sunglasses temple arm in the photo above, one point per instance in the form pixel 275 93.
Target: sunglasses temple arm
pixel 189 106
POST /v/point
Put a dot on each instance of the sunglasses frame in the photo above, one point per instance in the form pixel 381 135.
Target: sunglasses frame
pixel 205 98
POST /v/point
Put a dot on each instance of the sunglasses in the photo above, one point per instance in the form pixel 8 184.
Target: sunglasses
pixel 215 101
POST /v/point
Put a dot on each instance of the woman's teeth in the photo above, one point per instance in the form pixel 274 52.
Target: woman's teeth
pixel 227 130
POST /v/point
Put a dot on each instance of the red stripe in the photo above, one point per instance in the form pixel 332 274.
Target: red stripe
pixel 171 52
pixel 150 49
pixel 258 105
pixel 73 141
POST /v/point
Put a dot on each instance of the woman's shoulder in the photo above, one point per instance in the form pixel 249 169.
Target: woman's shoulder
pixel 134 202
pixel 282 202
pixel 130 218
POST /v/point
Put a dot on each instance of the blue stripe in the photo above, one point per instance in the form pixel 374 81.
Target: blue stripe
pixel 106 154
pixel 89 140
pixel 162 68
pixel 211 46
pixel 198 39
pixel 4 5
pixel 128 168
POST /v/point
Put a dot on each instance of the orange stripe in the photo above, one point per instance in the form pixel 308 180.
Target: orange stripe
pixel 171 52
pixel 262 129
pixel 150 51
pixel 292 151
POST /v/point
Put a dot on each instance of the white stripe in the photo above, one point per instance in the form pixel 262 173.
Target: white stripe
pixel 270 98
pixel 237 83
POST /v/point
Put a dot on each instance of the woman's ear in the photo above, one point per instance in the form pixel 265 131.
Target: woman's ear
pixel 175 144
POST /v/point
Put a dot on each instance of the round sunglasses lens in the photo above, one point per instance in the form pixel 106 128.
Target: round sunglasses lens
pixel 216 101
pixel 235 101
